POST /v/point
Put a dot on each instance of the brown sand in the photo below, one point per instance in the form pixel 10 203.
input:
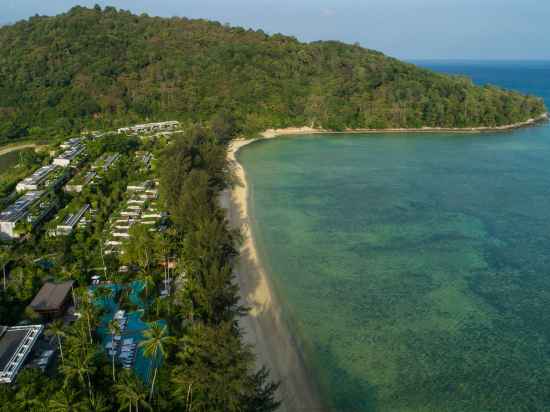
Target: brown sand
pixel 264 327
pixel 270 133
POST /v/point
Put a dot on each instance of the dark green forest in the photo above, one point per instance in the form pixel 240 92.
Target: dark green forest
pixel 206 366
pixel 98 68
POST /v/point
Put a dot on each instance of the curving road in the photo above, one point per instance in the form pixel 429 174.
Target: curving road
pixel 12 148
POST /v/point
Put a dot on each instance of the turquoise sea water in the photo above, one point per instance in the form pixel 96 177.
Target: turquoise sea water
pixel 415 268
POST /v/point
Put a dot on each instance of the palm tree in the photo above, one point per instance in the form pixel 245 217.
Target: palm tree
pixel 56 329
pixel 102 294
pixel 126 396
pixel 154 347
pixel 163 249
pixel 80 368
pixel 4 275
pixel 4 259
pixel 130 392
pixel 77 337
pixel 25 399
pixel 86 308
pixel 66 400
pixel 99 404
pixel 149 281
pixel 114 328
pixel 89 313
pixel 139 248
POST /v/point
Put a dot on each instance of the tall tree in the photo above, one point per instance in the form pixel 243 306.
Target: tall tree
pixel 56 328
pixel 212 373
pixel 156 340
pixel 4 260
pixel 114 328
pixel 66 400
pixel 80 367
pixel 139 248
pixel 131 393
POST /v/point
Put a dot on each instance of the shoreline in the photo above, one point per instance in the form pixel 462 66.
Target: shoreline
pixel 271 133
pixel 264 328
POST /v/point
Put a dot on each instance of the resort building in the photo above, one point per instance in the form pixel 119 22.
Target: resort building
pixel 150 194
pixel 105 162
pixel 47 177
pixel 53 299
pixel 153 214
pixel 77 183
pixel 30 208
pixel 121 234
pixel 145 158
pixel 16 343
pixel 71 221
pixel 37 180
pixel 70 156
pixel 137 187
pixel 113 246
pixel 141 207
pixel 138 202
pixel 135 213
pixel 149 127
pixel 75 141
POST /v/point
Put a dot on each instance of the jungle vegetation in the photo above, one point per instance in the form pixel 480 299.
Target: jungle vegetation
pixel 98 68
pixel 206 367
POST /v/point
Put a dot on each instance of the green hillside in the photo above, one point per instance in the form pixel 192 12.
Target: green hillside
pixel 97 68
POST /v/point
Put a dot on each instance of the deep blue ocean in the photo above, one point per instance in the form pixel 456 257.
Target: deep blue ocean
pixel 530 77
pixel 415 268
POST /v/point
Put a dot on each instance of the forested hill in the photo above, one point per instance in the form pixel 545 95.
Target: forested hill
pixel 102 67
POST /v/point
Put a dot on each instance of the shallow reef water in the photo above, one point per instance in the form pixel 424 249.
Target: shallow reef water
pixel 415 268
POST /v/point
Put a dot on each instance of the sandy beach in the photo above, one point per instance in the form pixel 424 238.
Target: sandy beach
pixel 270 133
pixel 264 328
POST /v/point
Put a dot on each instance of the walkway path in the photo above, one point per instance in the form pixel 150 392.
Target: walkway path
pixel 12 148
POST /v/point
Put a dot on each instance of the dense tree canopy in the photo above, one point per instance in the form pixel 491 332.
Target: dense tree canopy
pixel 97 68
pixel 197 359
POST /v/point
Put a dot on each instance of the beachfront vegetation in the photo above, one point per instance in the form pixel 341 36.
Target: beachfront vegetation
pixel 109 67
pixel 197 359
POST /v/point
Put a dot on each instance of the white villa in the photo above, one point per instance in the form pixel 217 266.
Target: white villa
pixel 150 127
pixel 16 212
pixel 67 157
pixel 34 181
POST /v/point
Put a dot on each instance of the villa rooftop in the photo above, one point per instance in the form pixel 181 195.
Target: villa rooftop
pixel 52 297
pixel 149 127
pixel 71 220
pixel 19 208
pixel 77 183
pixel 36 179
pixel 141 186
pixel 105 161
pixel 69 155
pixel 71 142
pixel 15 345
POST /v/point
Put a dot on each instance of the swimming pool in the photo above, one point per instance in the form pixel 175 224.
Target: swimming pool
pixel 135 325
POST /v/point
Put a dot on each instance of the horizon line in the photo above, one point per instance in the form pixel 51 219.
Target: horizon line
pixel 474 59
